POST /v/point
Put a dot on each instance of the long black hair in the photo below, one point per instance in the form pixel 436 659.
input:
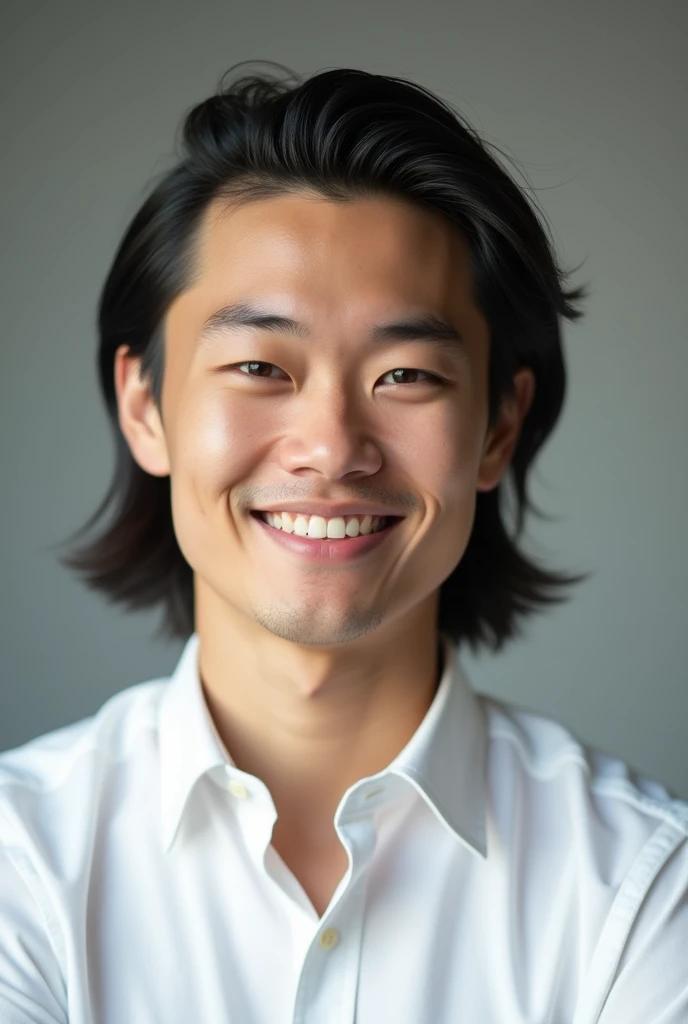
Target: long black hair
pixel 343 134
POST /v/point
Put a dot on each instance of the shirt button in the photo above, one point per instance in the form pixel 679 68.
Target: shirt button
pixel 237 789
pixel 329 938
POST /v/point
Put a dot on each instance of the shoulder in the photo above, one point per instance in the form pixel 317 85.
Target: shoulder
pixel 549 755
pixel 618 838
pixel 615 840
pixel 592 791
pixel 61 775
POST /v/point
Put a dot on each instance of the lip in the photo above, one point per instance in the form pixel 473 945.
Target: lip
pixel 342 508
pixel 332 552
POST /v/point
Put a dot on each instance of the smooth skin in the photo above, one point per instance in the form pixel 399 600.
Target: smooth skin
pixel 317 676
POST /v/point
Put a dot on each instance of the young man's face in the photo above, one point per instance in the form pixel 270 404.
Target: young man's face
pixel 328 421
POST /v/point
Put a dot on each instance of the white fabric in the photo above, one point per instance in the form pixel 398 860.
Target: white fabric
pixel 499 872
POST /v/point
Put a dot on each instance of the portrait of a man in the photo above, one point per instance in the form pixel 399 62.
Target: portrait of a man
pixel 330 350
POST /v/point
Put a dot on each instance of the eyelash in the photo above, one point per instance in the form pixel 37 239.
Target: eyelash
pixel 433 378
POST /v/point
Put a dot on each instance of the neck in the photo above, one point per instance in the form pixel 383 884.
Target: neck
pixel 310 721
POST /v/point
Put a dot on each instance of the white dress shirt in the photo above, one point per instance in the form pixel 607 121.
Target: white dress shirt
pixel 499 873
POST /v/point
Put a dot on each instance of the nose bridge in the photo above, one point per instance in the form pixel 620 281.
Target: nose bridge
pixel 333 408
pixel 335 393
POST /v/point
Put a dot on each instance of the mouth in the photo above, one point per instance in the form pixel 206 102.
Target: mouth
pixel 383 523
pixel 329 550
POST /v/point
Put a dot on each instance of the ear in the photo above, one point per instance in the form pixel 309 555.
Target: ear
pixel 502 438
pixel 138 415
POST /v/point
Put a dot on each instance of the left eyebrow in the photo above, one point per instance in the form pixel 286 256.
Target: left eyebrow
pixel 426 327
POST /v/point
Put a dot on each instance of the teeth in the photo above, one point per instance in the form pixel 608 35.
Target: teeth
pixel 320 528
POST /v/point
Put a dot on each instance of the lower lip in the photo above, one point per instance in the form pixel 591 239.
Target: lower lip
pixel 334 552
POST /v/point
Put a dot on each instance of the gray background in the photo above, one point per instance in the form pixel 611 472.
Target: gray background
pixel 589 98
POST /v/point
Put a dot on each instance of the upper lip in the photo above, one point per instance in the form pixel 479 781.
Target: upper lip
pixel 315 508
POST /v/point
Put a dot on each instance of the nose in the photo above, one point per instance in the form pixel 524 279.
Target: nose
pixel 331 435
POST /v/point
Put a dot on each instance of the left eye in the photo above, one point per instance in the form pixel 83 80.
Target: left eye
pixel 431 377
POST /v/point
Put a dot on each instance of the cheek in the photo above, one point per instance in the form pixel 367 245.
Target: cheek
pixel 440 457
pixel 220 440
pixel 442 454
pixel 218 446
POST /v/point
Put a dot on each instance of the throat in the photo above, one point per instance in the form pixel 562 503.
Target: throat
pixel 318 869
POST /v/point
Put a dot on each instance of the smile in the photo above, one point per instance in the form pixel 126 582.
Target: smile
pixel 332 550
pixel 319 528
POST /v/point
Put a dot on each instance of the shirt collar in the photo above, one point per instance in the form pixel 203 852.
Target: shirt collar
pixel 189 743
pixel 444 759
pixel 446 756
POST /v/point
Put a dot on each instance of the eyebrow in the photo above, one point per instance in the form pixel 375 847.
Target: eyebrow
pixel 425 327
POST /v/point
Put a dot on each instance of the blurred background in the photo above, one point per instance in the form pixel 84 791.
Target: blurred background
pixel 588 99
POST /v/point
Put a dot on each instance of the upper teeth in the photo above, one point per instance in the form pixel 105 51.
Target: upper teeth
pixel 317 526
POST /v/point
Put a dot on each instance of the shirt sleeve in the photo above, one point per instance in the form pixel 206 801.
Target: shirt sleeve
pixel 32 988
pixel 650 985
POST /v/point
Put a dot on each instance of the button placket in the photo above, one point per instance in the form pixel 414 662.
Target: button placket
pixel 328 985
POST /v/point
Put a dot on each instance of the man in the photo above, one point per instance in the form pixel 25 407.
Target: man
pixel 326 338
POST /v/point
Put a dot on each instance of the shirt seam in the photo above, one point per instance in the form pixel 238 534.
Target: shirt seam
pixel 614 936
pixel 673 812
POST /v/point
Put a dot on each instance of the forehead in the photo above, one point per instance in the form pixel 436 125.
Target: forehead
pixel 319 251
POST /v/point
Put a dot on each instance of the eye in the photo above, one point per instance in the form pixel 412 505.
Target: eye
pixel 431 377
pixel 254 364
